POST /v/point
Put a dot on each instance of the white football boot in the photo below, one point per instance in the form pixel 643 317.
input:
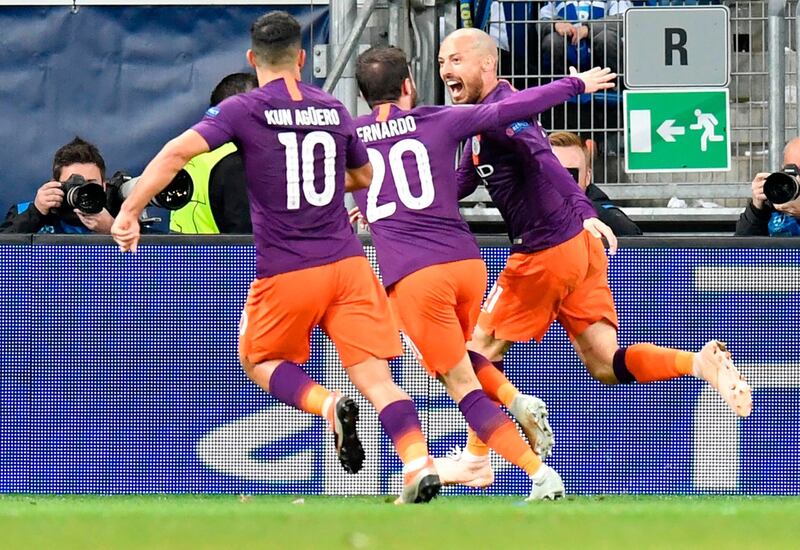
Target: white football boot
pixel 546 484
pixel 531 414
pixel 462 468
pixel 713 364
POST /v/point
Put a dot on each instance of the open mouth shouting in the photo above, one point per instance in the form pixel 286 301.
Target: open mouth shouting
pixel 456 87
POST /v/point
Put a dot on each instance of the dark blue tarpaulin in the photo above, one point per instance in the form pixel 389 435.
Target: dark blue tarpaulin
pixel 126 78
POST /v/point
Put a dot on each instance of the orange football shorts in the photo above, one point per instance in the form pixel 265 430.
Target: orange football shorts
pixel 344 298
pixel 437 308
pixel 568 283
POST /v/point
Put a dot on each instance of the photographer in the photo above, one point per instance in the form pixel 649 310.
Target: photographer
pixel 764 218
pixel 48 213
pixel 219 203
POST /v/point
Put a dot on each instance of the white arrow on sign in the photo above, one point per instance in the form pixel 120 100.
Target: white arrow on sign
pixel 667 131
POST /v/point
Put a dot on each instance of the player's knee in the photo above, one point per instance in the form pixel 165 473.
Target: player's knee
pixel 602 371
pixel 488 346
pixel 247 366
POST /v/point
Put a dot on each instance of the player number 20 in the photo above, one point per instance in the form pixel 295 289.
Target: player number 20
pixel 305 151
pixel 424 200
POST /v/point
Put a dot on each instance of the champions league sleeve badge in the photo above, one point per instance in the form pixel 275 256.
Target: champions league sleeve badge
pixel 517 127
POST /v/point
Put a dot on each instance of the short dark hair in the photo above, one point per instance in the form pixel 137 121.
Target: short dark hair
pixel 276 38
pixel 77 151
pixel 236 83
pixel 380 72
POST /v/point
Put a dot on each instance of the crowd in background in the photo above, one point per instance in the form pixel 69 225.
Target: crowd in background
pixel 534 38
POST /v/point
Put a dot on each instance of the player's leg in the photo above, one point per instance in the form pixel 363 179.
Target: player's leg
pixel 520 306
pixel 589 316
pixel 274 341
pixel 360 324
pixel 607 362
pixel 438 307
pixel 492 425
pixel 398 416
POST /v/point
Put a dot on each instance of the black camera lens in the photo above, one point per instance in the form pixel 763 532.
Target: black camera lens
pixel 177 194
pixel 781 187
pixel 88 197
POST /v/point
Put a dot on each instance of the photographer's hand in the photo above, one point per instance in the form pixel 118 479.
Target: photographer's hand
pixel 99 223
pixel 792 208
pixel 757 187
pixel 125 231
pixel 48 196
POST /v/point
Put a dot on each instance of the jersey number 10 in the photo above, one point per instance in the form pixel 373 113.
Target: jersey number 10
pixel 306 152
pixel 424 200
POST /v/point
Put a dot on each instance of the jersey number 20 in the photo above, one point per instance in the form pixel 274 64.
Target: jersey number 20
pixel 424 200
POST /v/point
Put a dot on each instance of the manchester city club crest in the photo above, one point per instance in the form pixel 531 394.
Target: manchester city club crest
pixel 476 145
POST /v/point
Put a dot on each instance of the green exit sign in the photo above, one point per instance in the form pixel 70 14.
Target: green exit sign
pixel 677 130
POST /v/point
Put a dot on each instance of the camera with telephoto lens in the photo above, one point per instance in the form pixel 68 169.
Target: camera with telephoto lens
pixel 87 196
pixel 783 186
pixel 176 195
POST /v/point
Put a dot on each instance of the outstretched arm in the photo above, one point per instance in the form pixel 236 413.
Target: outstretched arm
pixel 531 102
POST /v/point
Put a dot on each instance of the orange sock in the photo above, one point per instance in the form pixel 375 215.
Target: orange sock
pixel 510 445
pixel 649 363
pixel 475 446
pixel 313 399
pixel 494 382
pixel 411 446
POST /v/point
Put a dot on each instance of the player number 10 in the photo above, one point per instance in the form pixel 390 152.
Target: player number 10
pixel 306 152
pixel 424 200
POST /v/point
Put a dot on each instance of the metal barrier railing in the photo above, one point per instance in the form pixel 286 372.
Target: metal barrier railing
pixel 532 54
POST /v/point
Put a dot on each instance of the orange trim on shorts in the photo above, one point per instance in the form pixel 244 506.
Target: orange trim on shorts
pixel 384 110
pixel 293 89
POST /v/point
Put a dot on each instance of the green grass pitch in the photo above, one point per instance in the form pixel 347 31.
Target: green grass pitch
pixel 470 522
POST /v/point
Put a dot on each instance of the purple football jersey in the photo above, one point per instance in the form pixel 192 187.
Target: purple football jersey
pixel 412 203
pixel 295 151
pixel 537 197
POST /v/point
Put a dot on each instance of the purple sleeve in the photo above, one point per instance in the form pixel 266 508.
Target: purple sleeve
pixel 357 155
pixel 218 125
pixel 522 105
pixel 466 177
pixel 582 205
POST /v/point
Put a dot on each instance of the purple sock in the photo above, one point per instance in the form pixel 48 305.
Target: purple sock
pixel 498 365
pixel 399 420
pixel 478 361
pixel 482 414
pixel 289 383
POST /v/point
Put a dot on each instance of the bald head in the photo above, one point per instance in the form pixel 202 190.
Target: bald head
pixel 468 65
pixel 791 153
pixel 476 39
